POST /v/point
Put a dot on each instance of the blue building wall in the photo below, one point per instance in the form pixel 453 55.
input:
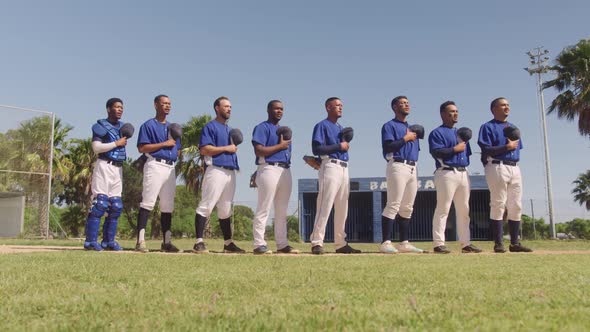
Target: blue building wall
pixel 368 197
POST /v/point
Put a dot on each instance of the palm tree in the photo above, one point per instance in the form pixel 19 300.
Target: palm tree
pixel 582 190
pixel 190 166
pixel 573 83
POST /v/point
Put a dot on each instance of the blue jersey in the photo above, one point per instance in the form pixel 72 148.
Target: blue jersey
pixel 394 130
pixel 217 134
pixel 106 132
pixel 444 138
pixel 265 134
pixel 327 133
pixel 491 134
pixel 152 132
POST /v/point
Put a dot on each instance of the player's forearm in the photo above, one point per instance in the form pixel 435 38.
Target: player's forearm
pixel 320 150
pixel 265 151
pixel 210 150
pixel 494 150
pixel 100 147
pixel 444 153
pixel 393 146
pixel 149 148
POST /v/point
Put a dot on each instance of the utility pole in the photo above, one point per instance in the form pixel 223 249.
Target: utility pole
pixel 538 65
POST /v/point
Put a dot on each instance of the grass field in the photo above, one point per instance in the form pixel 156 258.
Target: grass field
pixel 77 290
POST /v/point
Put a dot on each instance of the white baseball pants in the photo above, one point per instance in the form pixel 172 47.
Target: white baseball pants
pixel 219 186
pixel 334 188
pixel 451 187
pixel 274 188
pixel 505 184
pixel 106 179
pixel 159 180
pixel 402 185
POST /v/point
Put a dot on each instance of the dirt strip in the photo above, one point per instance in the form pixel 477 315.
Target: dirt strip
pixel 16 249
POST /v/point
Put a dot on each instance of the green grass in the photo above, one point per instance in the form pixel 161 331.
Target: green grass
pixel 77 290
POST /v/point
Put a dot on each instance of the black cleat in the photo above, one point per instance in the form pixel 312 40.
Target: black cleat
pixel 470 249
pixel 519 248
pixel 441 250
pixel 233 249
pixel 347 250
pixel 288 250
pixel 499 248
pixel 317 250
pixel 168 247
pixel 200 248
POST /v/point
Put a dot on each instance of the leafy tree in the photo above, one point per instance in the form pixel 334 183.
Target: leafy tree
pixel 573 83
pixel 580 228
pixel 540 230
pixel 581 190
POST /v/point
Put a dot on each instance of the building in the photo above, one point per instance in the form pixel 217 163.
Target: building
pixel 368 197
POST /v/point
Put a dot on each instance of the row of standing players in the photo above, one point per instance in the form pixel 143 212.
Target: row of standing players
pixel 451 151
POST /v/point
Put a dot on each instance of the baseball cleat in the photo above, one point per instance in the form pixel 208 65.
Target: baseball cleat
pixel 114 246
pixel 470 249
pixel 287 250
pixel 262 250
pixel 169 247
pixel 441 250
pixel 233 249
pixel 141 247
pixel 347 250
pixel 317 250
pixel 499 248
pixel 406 247
pixel 387 248
pixel 200 248
pixel 519 248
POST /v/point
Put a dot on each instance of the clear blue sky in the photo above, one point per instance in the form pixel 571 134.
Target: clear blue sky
pixel 69 57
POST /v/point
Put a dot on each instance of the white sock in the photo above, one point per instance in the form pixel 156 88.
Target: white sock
pixel 141 236
pixel 199 240
pixel 167 237
pixel 228 242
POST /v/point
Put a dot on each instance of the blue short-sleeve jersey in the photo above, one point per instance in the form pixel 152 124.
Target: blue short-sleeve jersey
pixel 217 134
pixel 443 138
pixel 394 130
pixel 327 133
pixel 491 134
pixel 152 132
pixel 265 134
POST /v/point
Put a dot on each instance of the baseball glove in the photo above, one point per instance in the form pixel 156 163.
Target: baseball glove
pixel 312 161
pixel 512 133
pixel 347 134
pixel 139 163
pixel 236 136
pixel 418 129
pixel 286 132
pixel 174 131
pixel 253 180
pixel 464 134
pixel 127 130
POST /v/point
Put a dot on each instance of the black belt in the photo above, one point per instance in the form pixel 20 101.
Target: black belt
pixel 458 169
pixel 339 162
pixel 403 161
pixel 164 161
pixel 225 167
pixel 112 162
pixel 504 162
pixel 283 165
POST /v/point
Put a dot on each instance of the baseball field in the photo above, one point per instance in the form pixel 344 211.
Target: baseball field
pixel 60 287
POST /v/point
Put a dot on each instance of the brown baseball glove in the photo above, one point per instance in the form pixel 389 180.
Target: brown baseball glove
pixel 312 161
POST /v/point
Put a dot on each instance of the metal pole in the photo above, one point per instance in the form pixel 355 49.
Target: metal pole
pixel 50 173
pixel 533 216
pixel 538 66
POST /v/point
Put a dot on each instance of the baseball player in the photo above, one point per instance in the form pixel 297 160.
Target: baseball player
pixel 451 151
pixel 400 148
pixel 272 147
pixel 107 185
pixel 159 175
pixel 334 184
pixel 500 145
pixel 219 182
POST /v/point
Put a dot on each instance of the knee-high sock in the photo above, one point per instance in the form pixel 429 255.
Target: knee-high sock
pixel 386 229
pixel 200 223
pixel 404 228
pixel 166 222
pixel 142 220
pixel 225 225
pixel 497 230
pixel 514 227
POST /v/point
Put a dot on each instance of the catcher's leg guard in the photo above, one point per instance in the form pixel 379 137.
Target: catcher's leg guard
pixel 110 224
pixel 99 207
